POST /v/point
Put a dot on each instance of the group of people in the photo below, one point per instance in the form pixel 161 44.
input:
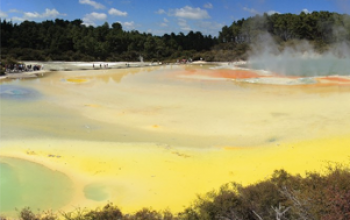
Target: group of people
pixel 105 65
pixel 184 61
pixel 15 68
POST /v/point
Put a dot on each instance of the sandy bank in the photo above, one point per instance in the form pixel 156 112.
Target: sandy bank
pixel 96 65
pixel 25 75
pixel 72 66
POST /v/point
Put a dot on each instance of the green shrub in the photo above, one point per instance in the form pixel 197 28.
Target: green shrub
pixel 2 70
pixel 27 214
pixel 109 211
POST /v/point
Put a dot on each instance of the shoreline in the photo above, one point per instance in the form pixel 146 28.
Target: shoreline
pixel 68 66
pixel 54 66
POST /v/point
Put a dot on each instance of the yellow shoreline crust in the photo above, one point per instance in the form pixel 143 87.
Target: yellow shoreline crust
pixel 136 175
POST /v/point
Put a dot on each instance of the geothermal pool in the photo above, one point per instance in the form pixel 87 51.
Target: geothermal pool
pixel 158 136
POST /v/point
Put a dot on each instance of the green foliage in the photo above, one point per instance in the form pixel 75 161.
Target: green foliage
pixel 27 214
pixel 70 40
pixel 2 71
pixel 322 26
pixel 107 212
pixel 111 211
pixel 8 60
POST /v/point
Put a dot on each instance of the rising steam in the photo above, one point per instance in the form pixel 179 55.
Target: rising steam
pixel 299 58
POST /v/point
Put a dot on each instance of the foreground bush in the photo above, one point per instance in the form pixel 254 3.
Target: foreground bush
pixel 283 196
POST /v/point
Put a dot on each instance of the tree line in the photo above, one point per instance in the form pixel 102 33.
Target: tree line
pixel 322 26
pixel 72 41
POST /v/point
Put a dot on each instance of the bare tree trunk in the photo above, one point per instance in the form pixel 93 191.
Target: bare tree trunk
pixel 279 212
pixel 257 215
pixel 300 206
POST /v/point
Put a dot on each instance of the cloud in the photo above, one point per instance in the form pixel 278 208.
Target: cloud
pixel 182 22
pixel 3 14
pixel 49 13
pixel 186 28
pixel 89 19
pixel 208 5
pixel 129 25
pixel 305 11
pixel 17 19
pixel 255 12
pixel 94 4
pixel 271 12
pixel 164 23
pixel 116 12
pixel 190 13
pixel 251 10
pixel 32 15
pixel 183 25
pixel 209 27
pixel 160 11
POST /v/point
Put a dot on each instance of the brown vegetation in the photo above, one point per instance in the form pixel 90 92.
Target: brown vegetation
pixel 283 196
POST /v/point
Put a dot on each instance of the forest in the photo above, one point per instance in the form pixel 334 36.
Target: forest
pixel 323 27
pixel 71 41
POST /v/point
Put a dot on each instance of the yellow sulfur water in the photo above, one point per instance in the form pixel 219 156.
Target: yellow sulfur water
pixel 158 136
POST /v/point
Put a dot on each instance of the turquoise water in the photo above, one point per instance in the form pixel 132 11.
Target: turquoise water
pixel 24 184
pixel 96 192
pixel 14 92
pixel 306 67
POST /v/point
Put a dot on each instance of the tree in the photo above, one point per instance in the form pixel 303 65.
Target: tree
pixel 117 27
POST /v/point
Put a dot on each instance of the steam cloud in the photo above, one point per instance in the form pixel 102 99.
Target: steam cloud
pixel 300 58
